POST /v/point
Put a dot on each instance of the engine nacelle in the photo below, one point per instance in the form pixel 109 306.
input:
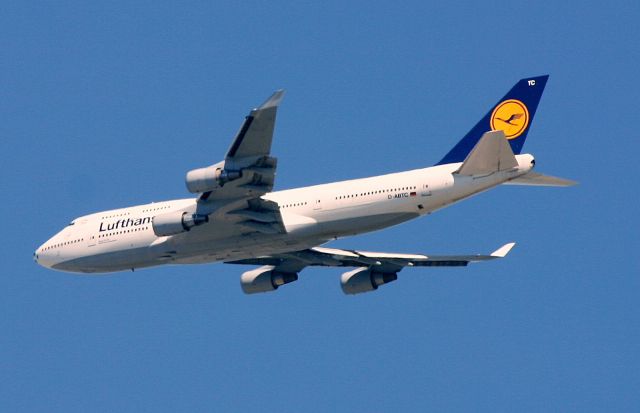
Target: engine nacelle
pixel 265 279
pixel 209 178
pixel 176 222
pixel 362 280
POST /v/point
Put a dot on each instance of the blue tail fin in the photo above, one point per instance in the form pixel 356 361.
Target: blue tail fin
pixel 513 114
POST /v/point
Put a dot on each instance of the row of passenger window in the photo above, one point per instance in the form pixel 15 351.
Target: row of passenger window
pixel 122 232
pixel 115 215
pixel 157 208
pixel 380 191
pixel 294 205
pixel 129 213
pixel 62 244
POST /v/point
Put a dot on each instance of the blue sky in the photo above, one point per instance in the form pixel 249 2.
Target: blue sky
pixel 108 105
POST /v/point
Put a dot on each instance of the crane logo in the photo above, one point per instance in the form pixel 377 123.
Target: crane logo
pixel 510 116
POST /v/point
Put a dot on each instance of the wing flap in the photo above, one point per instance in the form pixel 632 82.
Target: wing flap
pixel 260 215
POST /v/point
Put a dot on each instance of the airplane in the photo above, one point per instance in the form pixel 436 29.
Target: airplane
pixel 237 218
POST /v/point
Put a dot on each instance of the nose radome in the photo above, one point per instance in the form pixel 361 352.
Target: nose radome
pixel 43 257
pixel 38 256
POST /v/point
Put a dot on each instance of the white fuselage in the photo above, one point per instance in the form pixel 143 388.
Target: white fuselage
pixel 124 239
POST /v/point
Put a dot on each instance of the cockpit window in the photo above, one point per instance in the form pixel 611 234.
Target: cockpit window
pixel 71 223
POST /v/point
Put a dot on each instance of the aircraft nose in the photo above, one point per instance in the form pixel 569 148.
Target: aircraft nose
pixel 42 257
pixel 37 255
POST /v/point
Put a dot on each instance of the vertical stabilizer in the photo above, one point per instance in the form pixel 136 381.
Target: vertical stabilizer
pixel 512 114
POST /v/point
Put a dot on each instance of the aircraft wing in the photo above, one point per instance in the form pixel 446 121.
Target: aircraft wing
pixel 380 261
pixel 248 169
pixel 230 190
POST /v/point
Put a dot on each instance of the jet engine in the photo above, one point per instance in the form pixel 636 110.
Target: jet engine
pixel 364 279
pixel 176 222
pixel 265 279
pixel 209 178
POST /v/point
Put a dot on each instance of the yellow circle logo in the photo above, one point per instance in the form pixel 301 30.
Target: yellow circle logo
pixel 510 116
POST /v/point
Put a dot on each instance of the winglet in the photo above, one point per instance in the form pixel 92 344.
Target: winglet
pixel 274 100
pixel 503 251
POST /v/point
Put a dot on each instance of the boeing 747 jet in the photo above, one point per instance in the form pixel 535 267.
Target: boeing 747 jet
pixel 237 218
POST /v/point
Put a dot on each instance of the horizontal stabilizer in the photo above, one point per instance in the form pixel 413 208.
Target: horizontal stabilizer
pixel 491 154
pixel 537 179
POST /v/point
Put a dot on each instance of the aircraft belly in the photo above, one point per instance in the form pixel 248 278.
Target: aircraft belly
pixel 109 261
pixel 352 225
pixel 243 247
